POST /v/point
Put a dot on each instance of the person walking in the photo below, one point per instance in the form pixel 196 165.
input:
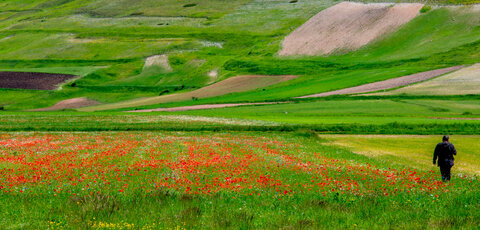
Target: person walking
pixel 444 152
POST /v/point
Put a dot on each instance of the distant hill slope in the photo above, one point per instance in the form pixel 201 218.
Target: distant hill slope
pixel 442 29
pixel 121 8
pixel 347 26
pixel 110 41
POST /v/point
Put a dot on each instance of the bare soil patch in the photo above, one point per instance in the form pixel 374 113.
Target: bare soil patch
pixel 348 26
pixel 388 84
pixel 456 118
pixel 25 80
pixel 73 103
pixel 158 60
pixel 198 107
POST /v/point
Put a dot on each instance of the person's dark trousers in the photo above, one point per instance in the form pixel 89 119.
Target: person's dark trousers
pixel 445 170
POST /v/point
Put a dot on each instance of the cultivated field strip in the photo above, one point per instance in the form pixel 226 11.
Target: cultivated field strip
pixel 388 84
pixel 42 81
pixel 462 82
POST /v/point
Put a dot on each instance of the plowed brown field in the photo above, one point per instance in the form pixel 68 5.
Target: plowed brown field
pixel 23 80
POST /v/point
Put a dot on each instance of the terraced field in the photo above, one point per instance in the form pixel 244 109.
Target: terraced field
pixel 228 86
pixel 461 82
pixel 73 35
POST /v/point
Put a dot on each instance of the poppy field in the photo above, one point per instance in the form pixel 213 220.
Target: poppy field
pixel 148 180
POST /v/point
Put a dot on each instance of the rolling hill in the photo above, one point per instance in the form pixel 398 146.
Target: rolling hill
pixel 205 42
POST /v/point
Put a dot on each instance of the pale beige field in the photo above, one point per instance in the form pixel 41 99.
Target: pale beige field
pixel 415 150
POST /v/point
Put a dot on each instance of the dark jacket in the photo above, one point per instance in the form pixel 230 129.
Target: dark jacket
pixel 444 151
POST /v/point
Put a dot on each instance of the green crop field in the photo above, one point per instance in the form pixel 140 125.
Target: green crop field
pixel 343 162
pixel 364 111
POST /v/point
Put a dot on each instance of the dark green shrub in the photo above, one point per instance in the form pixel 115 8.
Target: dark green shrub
pixel 165 91
pixel 174 60
pixel 190 5
pixel 309 133
pixel 425 9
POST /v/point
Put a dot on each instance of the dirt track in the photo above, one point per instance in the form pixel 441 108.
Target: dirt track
pixel 70 104
pixel 388 84
pixel 197 107
pixel 21 80
pixel 347 26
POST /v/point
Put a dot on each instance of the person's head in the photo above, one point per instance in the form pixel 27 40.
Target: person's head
pixel 446 138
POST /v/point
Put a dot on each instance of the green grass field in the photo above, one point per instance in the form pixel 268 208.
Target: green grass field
pixel 366 111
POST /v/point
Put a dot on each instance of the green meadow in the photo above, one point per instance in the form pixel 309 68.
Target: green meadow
pixel 358 110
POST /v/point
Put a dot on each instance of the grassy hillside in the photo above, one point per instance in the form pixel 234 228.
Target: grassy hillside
pixel 434 46
pixel 230 37
pixel 437 31
pixel 77 33
pixel 119 8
